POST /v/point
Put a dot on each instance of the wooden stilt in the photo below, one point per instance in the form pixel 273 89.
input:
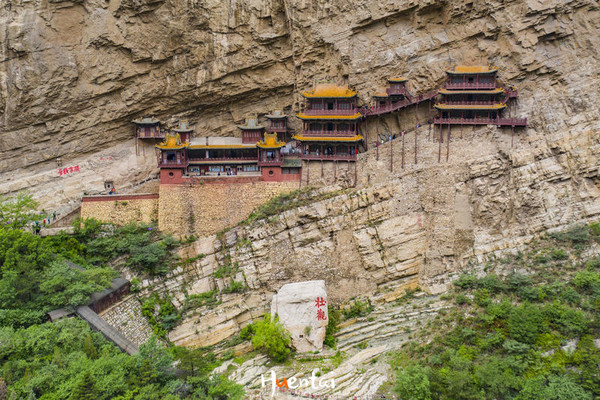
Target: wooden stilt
pixel 355 174
pixel 512 136
pixel 300 183
pixel 334 170
pixel 441 134
pixel 416 131
pixel 402 150
pixel 322 172
pixel 448 144
pixel 308 173
pixel 377 151
pixel 440 146
pixel 366 133
pixel 391 155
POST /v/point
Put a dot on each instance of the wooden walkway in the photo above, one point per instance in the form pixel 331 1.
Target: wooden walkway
pixel 100 325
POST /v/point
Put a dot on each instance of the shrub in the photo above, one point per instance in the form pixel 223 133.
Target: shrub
pixel 525 322
pixel 234 287
pixel 358 309
pixel 586 279
pixel 413 383
pixel 332 326
pixel 466 281
pixel 462 299
pixel 272 338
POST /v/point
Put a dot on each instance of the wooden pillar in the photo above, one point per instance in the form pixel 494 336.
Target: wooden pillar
pixel 402 150
pixel 377 152
pixel 416 132
pixel 512 135
pixel 307 172
pixel 366 133
pixel 355 174
pixel 334 170
pixel 440 145
pixel 448 144
pixel 391 155
pixel 322 172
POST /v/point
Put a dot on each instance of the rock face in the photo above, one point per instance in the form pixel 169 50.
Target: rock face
pixel 302 310
pixel 74 74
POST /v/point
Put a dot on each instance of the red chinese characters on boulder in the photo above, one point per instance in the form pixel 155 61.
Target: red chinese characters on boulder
pixel 68 170
pixel 320 302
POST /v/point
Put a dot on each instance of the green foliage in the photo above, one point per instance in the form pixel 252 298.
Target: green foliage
pixel 227 270
pixel 272 338
pixel 195 301
pixel 413 383
pixel 161 314
pixel 287 201
pixel 35 279
pixel 18 212
pixel 332 326
pixel 357 309
pixel 234 287
pixel 508 343
pixel 141 247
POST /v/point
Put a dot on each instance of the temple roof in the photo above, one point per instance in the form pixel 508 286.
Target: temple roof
pixel 470 106
pixel 270 142
pixel 183 127
pixel 398 80
pixel 347 117
pixel 146 121
pixel 491 91
pixel 275 114
pixel 329 90
pixel 172 142
pixel 355 138
pixel 477 69
pixel 251 123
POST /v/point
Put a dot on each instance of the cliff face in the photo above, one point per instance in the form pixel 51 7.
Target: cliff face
pixel 74 73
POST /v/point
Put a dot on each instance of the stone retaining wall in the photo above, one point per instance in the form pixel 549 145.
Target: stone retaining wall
pixel 121 209
pixel 207 209
pixel 126 317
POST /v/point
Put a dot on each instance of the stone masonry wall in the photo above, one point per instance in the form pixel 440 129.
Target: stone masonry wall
pixel 126 317
pixel 323 173
pixel 209 208
pixel 121 211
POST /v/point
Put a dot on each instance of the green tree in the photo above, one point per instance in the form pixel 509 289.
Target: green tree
pixel 85 388
pixel 413 383
pixel 271 337
pixel 17 212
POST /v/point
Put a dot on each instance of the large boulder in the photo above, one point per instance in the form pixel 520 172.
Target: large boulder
pixel 302 310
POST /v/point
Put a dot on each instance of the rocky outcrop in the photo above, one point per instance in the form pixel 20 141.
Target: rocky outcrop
pixel 302 310
pixel 74 74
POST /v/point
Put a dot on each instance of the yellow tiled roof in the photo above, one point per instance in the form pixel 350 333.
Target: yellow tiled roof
pixel 355 138
pixel 305 116
pixel 172 142
pixel 492 91
pixel 398 80
pixel 329 90
pixel 470 107
pixel 270 142
pixel 380 94
pixel 477 69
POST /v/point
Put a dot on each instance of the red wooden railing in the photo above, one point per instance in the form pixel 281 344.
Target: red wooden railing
pixel 481 121
pixel 314 156
pixel 328 133
pixel 346 111
pixel 224 159
pixel 470 85
pixel 378 110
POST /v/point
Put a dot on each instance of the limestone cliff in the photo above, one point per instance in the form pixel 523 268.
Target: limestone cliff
pixel 74 73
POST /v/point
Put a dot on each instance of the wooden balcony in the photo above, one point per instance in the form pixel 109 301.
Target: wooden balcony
pixel 270 163
pixel 329 157
pixel 327 133
pixel 277 129
pixel 233 160
pixel 173 164
pixel 470 85
pixel 397 92
pixel 391 107
pixel 346 111
pixel 468 103
pixel 481 121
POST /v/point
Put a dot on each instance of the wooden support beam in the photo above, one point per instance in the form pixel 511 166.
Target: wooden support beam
pixel 448 144
pixel 391 155
pixel 416 132
pixel 402 150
